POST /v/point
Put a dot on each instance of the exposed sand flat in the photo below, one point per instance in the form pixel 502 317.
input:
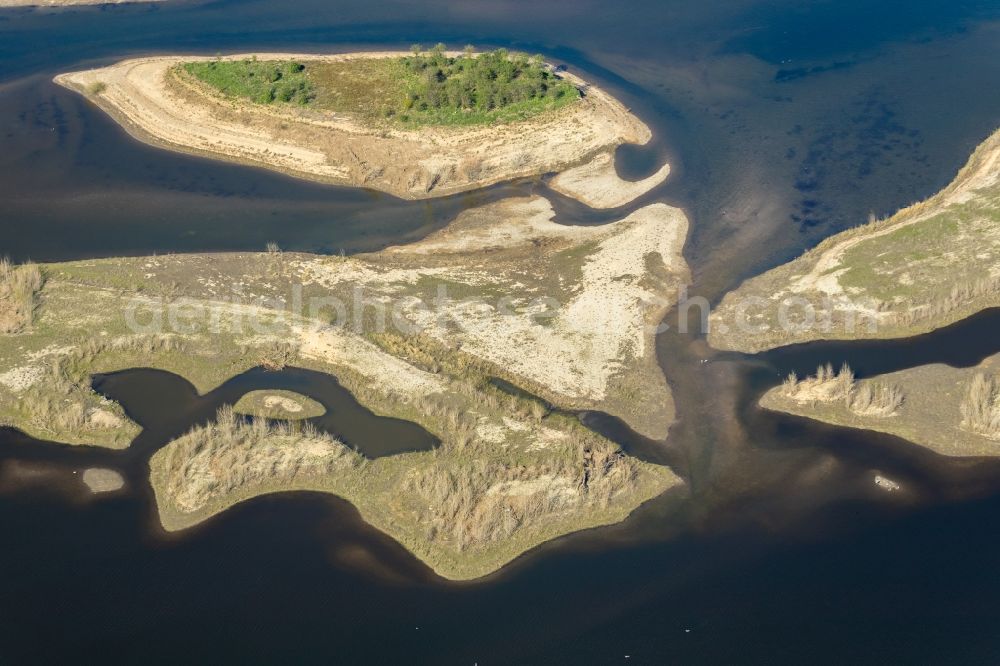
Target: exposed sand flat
pixel 927 266
pixel 176 112
pixel 607 287
pixel 597 184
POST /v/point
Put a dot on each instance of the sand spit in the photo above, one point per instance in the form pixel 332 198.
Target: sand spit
pixel 933 407
pixel 597 184
pixel 929 265
pixel 159 107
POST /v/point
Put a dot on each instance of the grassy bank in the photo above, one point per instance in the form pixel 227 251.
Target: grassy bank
pixel 423 89
pixel 929 265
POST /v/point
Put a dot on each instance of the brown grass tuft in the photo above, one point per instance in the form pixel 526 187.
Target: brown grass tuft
pixel 19 287
pixel 981 406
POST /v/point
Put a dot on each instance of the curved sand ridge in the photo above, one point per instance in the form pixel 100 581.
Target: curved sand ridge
pixel 597 183
pixel 176 112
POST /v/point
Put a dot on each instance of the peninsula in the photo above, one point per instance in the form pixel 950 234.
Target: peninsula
pixel 417 125
pixel 417 332
pixel 951 411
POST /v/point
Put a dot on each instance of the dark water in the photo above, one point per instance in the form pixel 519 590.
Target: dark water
pixel 785 122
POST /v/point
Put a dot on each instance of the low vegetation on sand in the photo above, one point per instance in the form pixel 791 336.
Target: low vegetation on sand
pixel 927 266
pixel 423 89
pixel 953 411
pixel 465 509
pixel 19 287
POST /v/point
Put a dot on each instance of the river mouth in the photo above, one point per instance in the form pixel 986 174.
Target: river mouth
pixel 782 524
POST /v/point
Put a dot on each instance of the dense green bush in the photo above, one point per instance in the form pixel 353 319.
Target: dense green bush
pixel 485 82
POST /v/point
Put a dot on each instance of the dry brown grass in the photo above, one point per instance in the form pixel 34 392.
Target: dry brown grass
pixel 981 406
pixel 877 399
pixel 19 287
pixel 64 402
pixel 479 503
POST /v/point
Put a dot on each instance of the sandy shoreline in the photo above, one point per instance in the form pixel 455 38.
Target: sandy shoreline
pixel 162 109
pixel 68 3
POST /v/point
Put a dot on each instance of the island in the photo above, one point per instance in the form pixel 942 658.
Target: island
pixel 415 125
pixel 279 405
pixel 422 332
pixel 927 266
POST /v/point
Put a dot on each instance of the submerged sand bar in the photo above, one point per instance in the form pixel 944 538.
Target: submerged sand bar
pixel 67 3
pixel 159 106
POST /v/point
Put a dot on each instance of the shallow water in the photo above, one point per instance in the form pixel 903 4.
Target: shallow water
pixel 784 122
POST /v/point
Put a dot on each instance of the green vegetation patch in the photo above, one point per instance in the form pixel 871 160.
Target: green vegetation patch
pixel 427 88
pixel 468 89
pixel 262 81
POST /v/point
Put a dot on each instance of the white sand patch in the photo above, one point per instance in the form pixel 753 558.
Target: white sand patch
pixel 282 403
pixel 489 431
pixel 597 184
pixel 335 271
pixel 550 484
pixel 23 377
pixel 508 224
pixel 583 346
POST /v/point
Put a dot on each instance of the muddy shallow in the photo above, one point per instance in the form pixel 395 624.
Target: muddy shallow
pixel 782 124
